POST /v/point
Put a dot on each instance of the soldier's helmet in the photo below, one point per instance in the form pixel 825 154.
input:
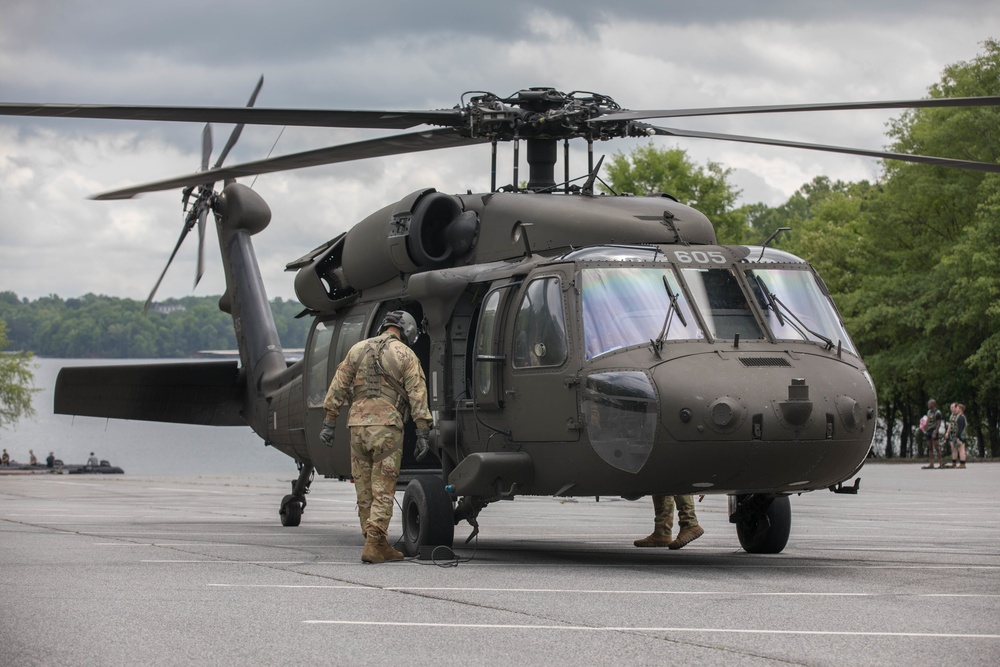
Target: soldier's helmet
pixel 403 321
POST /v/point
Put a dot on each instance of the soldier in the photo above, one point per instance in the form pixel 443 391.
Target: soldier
pixel 956 434
pixel 663 523
pixel 385 384
pixel 934 418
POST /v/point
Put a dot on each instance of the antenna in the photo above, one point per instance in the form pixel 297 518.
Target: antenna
pixel 771 238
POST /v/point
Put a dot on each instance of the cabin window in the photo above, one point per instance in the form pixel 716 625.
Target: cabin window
pixel 722 304
pixel 486 343
pixel 351 331
pixel 797 307
pixel 540 338
pixel 624 306
pixel 319 351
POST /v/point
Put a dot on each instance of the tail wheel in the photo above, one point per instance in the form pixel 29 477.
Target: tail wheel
pixel 291 511
pixel 766 532
pixel 428 515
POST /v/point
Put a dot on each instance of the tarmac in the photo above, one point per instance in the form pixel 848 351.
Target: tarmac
pixel 128 570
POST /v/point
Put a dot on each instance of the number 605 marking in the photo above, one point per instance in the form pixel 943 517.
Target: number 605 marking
pixel 699 257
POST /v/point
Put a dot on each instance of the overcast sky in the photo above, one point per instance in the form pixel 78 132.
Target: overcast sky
pixel 405 55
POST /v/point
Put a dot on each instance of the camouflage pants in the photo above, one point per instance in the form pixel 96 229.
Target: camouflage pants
pixel 375 474
pixel 663 506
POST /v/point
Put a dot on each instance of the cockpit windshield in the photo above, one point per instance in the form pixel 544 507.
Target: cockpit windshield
pixel 624 306
pixel 797 308
pixel 722 304
pixel 629 306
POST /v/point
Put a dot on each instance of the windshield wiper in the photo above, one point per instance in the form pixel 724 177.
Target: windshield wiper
pixel 671 309
pixel 771 300
pixel 775 304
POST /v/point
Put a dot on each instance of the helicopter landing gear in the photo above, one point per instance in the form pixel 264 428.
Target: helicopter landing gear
pixel 428 517
pixel 294 503
pixel 763 522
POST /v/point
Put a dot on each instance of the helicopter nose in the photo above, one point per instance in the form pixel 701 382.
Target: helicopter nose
pixel 730 400
pixel 753 420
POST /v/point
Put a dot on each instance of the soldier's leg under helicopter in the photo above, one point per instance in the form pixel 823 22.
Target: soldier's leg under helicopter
pixel 376 453
pixel 686 519
pixel 663 523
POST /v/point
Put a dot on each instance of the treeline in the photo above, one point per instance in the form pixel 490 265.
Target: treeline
pixel 912 261
pixel 94 326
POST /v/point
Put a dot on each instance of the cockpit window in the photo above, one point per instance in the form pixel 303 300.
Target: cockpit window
pixel 540 326
pixel 796 307
pixel 722 304
pixel 629 305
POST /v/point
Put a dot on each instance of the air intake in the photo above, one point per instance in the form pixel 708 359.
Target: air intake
pixel 764 362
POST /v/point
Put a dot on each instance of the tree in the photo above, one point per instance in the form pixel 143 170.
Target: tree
pixel 650 170
pixel 926 305
pixel 16 383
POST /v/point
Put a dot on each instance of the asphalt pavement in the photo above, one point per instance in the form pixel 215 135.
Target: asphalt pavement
pixel 127 570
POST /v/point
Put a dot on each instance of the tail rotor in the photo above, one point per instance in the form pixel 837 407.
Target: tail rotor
pixel 204 198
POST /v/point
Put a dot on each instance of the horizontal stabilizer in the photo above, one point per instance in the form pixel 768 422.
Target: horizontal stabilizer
pixel 208 393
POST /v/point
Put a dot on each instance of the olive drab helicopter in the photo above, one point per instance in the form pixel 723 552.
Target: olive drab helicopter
pixel 574 343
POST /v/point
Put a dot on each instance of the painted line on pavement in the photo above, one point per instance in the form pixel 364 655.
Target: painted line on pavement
pixel 431 589
pixel 585 628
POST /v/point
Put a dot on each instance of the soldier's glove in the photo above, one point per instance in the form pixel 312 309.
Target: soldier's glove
pixel 423 446
pixel 326 435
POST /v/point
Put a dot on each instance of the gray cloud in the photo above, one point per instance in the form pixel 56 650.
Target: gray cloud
pixel 399 55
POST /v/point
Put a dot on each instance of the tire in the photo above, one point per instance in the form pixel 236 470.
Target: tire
pixel 291 511
pixel 771 540
pixel 428 515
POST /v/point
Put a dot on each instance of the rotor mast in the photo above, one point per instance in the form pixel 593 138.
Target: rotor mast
pixel 542 117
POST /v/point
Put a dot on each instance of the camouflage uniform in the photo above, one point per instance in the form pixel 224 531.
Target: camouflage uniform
pixel 376 417
pixel 663 506
pixel 663 522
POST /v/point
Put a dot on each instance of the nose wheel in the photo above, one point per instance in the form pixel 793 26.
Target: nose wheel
pixel 763 522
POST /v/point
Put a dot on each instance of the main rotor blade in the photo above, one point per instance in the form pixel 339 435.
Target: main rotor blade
pixel 906 157
pixel 388 120
pixel 238 130
pixel 987 101
pixel 394 145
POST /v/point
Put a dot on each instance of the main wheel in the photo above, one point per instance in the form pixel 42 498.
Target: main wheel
pixel 291 511
pixel 767 533
pixel 428 516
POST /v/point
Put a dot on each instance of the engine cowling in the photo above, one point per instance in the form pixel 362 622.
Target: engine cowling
pixel 424 230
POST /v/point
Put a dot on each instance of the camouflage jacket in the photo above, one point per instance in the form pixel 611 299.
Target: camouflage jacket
pixel 352 382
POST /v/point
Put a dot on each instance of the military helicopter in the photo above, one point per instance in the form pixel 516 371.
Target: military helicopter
pixel 575 343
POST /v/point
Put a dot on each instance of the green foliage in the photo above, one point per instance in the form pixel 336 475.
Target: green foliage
pixel 650 170
pixel 925 307
pixel 16 383
pixel 94 326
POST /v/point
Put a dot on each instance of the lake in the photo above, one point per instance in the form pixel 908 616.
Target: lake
pixel 144 448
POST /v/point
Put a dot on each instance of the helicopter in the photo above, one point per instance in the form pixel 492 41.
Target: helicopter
pixel 575 343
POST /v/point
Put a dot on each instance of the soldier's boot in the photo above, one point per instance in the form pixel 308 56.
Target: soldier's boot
pixel 687 535
pixel 387 551
pixel 371 552
pixel 654 539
